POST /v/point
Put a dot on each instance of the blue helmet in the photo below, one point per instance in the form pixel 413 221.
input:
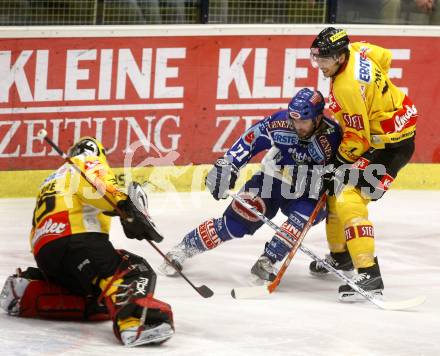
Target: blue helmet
pixel 306 105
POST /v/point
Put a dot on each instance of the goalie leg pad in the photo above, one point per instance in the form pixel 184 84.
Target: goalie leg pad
pixel 137 316
pixel 30 298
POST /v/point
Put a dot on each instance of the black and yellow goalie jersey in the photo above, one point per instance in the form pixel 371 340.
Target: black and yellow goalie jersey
pixel 68 205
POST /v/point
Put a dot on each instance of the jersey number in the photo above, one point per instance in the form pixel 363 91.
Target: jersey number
pixel 239 153
pixel 48 201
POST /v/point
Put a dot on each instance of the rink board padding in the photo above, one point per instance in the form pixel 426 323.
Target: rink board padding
pixel 178 95
pixel 191 178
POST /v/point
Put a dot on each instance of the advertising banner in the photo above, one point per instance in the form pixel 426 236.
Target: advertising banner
pixel 185 99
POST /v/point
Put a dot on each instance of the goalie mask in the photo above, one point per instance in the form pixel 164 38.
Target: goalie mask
pixel 87 146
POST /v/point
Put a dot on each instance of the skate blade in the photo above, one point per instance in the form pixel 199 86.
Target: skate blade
pixel 353 297
pixel 157 335
pixel 331 276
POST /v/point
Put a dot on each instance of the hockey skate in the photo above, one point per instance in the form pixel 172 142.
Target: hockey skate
pixel 177 256
pixel 156 334
pixel 340 261
pixel 369 279
pixel 263 270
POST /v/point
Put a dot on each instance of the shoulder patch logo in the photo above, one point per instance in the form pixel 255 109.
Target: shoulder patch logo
pixel 362 67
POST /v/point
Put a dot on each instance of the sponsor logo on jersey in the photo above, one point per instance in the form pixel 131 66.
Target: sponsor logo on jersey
pixel 361 163
pixel 280 124
pixel 363 52
pixel 298 156
pixel 285 138
pixel 256 201
pixel 385 182
pixel 315 153
pixel 326 146
pixel 401 121
pixel 363 68
pixel 53 227
pixel 333 104
pixel 353 121
pixel 403 118
pixel 249 138
pixel 208 234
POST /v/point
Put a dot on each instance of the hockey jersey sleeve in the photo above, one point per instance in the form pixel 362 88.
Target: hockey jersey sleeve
pixel 251 142
pixel 99 172
pixel 379 55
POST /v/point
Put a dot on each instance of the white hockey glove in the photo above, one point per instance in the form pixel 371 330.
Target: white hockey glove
pixel 221 178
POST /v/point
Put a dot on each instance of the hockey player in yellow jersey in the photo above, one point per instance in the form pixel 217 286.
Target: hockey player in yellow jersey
pixel 80 274
pixel 379 124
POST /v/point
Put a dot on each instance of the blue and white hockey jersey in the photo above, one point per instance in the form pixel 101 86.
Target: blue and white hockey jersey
pixel 277 134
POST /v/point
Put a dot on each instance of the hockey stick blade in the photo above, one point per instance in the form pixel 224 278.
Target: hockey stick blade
pixel 204 291
pixel 400 305
pixel 249 292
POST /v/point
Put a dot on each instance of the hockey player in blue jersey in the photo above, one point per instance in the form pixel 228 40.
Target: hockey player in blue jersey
pixel 299 140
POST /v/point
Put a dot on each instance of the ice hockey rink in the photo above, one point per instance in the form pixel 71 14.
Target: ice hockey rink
pixel 302 317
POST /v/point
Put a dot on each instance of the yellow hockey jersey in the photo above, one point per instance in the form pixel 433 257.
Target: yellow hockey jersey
pixel 371 110
pixel 68 205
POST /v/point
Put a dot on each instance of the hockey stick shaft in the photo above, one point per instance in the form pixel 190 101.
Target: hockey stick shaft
pixel 304 249
pixel 297 240
pixel 203 290
pixel 399 305
pixel 319 205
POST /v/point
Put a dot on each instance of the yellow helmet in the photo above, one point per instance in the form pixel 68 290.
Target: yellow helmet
pixel 87 146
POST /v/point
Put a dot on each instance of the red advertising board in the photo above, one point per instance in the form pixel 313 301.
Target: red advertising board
pixel 186 99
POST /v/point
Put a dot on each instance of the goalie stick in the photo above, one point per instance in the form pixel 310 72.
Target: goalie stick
pixel 203 290
pixel 257 291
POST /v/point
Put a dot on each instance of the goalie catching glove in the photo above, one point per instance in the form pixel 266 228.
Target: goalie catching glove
pixel 221 178
pixel 137 224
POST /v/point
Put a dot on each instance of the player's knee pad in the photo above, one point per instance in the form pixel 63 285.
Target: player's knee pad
pixel 128 294
pixel 27 294
pixel 242 220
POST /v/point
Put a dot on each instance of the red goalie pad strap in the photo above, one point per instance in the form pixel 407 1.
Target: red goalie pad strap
pixel 46 300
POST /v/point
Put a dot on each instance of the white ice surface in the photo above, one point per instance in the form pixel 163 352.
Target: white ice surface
pixel 302 317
